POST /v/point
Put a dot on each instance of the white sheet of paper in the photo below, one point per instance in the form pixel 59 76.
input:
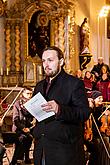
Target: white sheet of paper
pixel 34 107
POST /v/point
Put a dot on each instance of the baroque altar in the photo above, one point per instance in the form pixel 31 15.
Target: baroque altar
pixel 29 27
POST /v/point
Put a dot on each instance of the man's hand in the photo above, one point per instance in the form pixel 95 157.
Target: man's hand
pixel 96 74
pixel 51 106
pixel 91 102
pixel 26 130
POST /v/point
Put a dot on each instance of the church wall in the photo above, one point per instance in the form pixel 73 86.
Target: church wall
pixel 82 11
pixel 99 39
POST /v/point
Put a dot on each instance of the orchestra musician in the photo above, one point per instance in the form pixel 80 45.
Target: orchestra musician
pixel 21 125
pixel 105 120
pixel 2 147
pixel 99 145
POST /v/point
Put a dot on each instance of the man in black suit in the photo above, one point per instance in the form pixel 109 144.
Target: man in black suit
pixel 96 70
pixel 59 139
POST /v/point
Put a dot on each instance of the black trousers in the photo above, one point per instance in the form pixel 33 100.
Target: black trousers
pixel 2 151
pixel 22 146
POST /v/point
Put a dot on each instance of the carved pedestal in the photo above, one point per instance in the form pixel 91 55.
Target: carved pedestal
pixel 84 60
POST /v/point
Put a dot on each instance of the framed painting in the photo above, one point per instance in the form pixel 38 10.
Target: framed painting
pixel 29 73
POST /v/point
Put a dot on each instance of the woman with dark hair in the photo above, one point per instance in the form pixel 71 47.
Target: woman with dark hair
pixel 103 85
pixel 88 81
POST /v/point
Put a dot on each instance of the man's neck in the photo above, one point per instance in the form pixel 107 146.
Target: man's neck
pixel 51 78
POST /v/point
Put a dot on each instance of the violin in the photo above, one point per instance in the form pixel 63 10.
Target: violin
pixel 88 135
pixel 105 120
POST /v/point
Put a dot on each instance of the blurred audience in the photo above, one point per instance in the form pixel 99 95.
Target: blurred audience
pixel 103 85
pixel 88 81
pixel 96 70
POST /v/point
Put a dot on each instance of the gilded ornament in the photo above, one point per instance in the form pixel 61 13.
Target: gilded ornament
pixel 42 19
pixel 1 8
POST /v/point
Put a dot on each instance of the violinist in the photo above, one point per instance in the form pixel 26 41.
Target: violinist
pixel 2 147
pixel 22 121
pixel 98 154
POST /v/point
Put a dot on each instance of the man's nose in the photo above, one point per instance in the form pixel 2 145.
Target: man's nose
pixel 46 63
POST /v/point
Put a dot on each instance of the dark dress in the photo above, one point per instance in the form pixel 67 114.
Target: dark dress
pixel 61 136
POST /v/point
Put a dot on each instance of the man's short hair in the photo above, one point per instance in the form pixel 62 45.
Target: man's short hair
pixel 100 58
pixel 58 50
pixel 27 88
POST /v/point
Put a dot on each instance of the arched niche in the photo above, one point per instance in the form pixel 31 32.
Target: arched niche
pixel 39 24
pixel 38 33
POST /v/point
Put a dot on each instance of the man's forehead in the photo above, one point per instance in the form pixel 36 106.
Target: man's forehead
pixel 27 91
pixel 49 53
pixel 99 97
pixel 100 59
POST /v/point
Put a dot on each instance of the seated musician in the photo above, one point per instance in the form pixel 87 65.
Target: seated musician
pixel 2 147
pixel 21 125
pixel 99 151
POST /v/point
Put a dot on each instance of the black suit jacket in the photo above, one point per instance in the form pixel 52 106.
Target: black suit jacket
pixel 66 128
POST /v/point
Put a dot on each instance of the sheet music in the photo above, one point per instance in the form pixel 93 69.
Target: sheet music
pixel 34 107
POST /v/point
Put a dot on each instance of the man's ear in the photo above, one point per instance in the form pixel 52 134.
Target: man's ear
pixel 61 61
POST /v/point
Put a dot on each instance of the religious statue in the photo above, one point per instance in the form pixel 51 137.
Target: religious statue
pixel 84 37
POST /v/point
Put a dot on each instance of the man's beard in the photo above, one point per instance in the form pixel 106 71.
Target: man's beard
pixel 53 73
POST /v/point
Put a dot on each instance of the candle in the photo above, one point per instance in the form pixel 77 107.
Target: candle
pixel 1 71
pixel 7 71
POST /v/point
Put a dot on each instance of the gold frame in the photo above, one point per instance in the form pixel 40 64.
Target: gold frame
pixel 35 61
pixel 29 72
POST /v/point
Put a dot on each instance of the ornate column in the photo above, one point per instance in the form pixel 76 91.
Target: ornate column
pixel 2 42
pixel 70 41
pixel 61 34
pixel 17 48
pixel 56 32
pixel 8 48
pixel 52 30
pixel 66 52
